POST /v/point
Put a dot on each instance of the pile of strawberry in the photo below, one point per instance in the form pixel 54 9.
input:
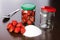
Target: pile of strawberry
pixel 16 27
pixel 28 17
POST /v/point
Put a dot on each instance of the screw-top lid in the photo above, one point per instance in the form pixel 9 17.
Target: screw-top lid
pixel 28 6
pixel 48 9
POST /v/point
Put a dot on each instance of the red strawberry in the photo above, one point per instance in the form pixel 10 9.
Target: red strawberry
pixel 19 24
pixel 9 25
pixel 33 13
pixel 24 20
pixel 29 22
pixel 25 16
pixel 32 19
pixel 23 30
pixel 29 12
pixel 23 11
pixel 17 30
pixel 14 22
pixel 22 26
pixel 11 29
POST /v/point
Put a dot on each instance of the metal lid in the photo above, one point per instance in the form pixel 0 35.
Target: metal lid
pixel 48 9
pixel 28 6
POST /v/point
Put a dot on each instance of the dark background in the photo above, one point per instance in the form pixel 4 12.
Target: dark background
pixel 56 31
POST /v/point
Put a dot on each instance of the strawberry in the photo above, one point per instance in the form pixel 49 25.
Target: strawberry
pixel 25 16
pixel 29 22
pixel 32 19
pixel 33 13
pixel 23 30
pixel 14 22
pixel 17 29
pixel 23 11
pixel 19 24
pixel 24 20
pixel 9 25
pixel 11 29
pixel 29 12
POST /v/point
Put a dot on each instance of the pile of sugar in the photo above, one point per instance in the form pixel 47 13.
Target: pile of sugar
pixel 32 31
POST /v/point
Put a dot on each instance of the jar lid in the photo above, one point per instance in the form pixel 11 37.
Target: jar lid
pixel 48 9
pixel 28 6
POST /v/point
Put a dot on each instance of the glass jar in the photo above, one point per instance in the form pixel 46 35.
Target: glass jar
pixel 28 14
pixel 47 15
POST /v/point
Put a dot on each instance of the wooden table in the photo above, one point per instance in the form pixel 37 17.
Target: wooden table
pixel 5 35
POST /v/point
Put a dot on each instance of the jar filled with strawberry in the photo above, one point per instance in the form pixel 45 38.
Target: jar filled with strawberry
pixel 28 14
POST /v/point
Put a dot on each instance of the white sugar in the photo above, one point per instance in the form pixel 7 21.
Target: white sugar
pixel 32 31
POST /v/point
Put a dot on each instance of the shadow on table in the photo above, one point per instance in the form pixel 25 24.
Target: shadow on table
pixel 15 34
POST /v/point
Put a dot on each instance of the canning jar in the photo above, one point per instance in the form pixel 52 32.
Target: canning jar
pixel 47 16
pixel 28 13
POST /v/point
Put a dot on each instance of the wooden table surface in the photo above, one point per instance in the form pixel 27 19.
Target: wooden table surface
pixel 46 35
